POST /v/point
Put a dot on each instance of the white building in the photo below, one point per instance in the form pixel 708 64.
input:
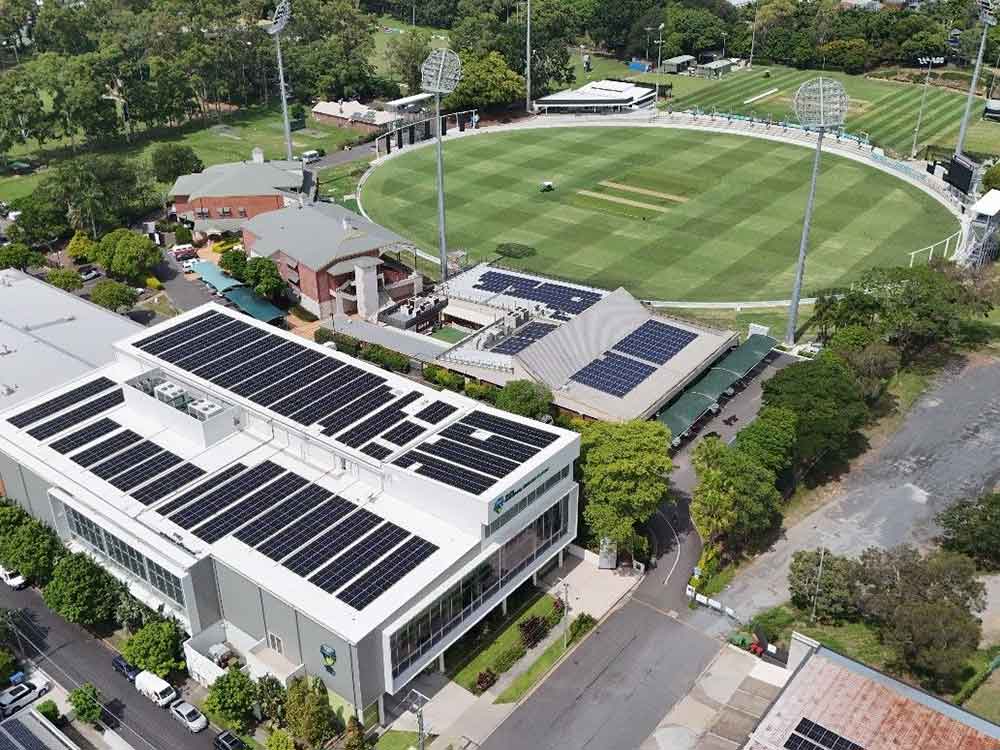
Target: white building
pixel 599 97
pixel 302 510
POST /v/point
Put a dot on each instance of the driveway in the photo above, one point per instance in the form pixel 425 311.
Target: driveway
pixel 185 293
pixel 71 656
pixel 945 451
pixel 335 158
pixel 613 690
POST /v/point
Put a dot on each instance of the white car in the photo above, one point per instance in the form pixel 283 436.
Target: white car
pixel 189 716
pixel 12 578
pixel 188 265
pixel 19 696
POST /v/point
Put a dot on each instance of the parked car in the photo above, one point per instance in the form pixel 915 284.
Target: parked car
pixel 12 578
pixel 228 741
pixel 140 290
pixel 189 716
pixel 184 252
pixel 188 265
pixel 89 273
pixel 308 157
pixel 122 667
pixel 14 698
pixel 155 688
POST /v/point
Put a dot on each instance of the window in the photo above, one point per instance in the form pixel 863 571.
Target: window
pixel 125 555
pixel 242 211
pixel 165 582
pixel 508 515
pixel 274 643
pixel 85 529
pixel 225 211
pixel 203 213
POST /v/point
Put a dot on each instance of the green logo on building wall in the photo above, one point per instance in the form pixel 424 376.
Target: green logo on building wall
pixel 329 655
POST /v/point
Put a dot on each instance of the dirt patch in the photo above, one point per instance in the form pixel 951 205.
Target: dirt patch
pixel 622 201
pixel 643 191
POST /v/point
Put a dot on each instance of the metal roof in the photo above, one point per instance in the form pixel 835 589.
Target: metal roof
pixel 243 178
pixel 212 275
pixel 253 304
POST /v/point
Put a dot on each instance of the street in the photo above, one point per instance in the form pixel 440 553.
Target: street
pixel 72 656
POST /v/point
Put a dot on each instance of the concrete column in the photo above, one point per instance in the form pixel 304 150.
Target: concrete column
pixel 563 550
pixel 534 578
pixel 366 284
pixel 441 662
pixel 381 710
pixel 503 606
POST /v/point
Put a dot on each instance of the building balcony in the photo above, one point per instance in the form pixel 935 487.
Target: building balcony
pixel 223 645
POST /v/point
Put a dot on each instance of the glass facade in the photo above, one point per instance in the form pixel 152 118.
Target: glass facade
pixel 125 555
pixel 524 502
pixel 467 597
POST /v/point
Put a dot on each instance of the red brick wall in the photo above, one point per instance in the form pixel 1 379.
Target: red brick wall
pixel 254 204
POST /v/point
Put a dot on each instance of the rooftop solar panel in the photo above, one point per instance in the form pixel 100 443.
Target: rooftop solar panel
pixel 226 495
pixel 85 435
pixel 332 375
pixel 24 736
pixel 442 471
pixel 403 433
pixel 325 406
pixel 387 573
pixel 105 448
pixel 258 366
pixel 60 402
pixel 376 451
pixel 656 342
pixel 435 412
pixel 332 542
pixel 74 417
pixel 524 337
pixel 283 544
pixel 281 390
pixel 614 374
pixel 180 334
pixel 145 471
pixel 279 372
pixel 203 341
pixel 200 489
pixel 470 457
pixel 126 459
pixel 169 483
pixel 378 422
pixel 510 429
pixel 286 513
pixel 369 399
pixel 515 451
pixel 247 509
pixel 362 555
pixel 6 743
pixel 263 344
pixel 144 343
pixel 208 354
pixel 559 297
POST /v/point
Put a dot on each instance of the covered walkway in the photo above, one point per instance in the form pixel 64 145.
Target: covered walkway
pixel 253 304
pixel 704 394
pixel 212 275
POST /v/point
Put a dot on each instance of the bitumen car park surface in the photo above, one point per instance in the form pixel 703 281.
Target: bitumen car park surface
pixel 71 656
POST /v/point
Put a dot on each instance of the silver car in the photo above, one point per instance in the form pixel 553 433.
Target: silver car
pixel 189 716
pixel 15 698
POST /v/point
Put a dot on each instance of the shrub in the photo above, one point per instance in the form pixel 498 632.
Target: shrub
pixel 8 665
pixel 485 680
pixel 481 391
pixel 154 283
pixel 232 697
pixel 279 739
pixel 347 344
pixel 508 658
pixel 444 378
pixel 533 630
pixel 302 314
pixel 385 358
pixel 554 617
pixel 323 335
pixel 582 625
pixel 182 235
pixel 515 250
pixel 49 710
pixel 86 703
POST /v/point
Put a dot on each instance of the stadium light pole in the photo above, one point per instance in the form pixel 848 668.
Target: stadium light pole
pixel 649 30
pixel 724 35
pixel 753 36
pixel 820 104
pixel 988 20
pixel 659 64
pixel 440 74
pixel 923 100
pixel 527 63
pixel 274 27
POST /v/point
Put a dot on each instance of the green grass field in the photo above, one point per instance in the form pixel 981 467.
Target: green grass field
pixel 886 110
pixel 668 214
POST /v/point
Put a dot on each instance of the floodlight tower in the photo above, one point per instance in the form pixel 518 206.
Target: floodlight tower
pixel 988 19
pixel 821 105
pixel 659 64
pixel 440 74
pixel 282 15
pixel 527 63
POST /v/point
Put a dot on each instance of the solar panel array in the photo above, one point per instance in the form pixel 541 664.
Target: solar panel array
pixel 614 374
pixel 460 458
pixel 182 475
pixel 85 435
pixel 435 412
pixel 524 337
pixel 387 573
pixel 358 557
pixel 656 342
pixel 60 402
pixel 561 297
pixel 809 735
pixel 24 737
pixel 75 416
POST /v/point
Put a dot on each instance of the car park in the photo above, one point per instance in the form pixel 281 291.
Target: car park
pixel 126 670
pixel 12 578
pixel 17 697
pixel 189 716
pixel 228 741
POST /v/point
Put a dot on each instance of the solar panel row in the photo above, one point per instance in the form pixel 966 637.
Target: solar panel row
pixel 473 458
pixel 84 435
pixel 614 374
pixel 260 365
pixel 162 342
pixel 826 738
pixel 274 374
pixel 387 573
pixel 362 555
pixel 287 386
pixel 145 471
pixel 146 343
pixel 245 335
pixel 356 409
pixel 656 342
pixel 126 459
pixel 285 514
pixel 247 509
pixel 376 451
pixel 505 447
pixel 378 422
pixel 510 429
pixel 200 489
pixel 24 736
pixel 524 337
pixel 167 484
pixel 105 448
pixel 291 538
pixel 226 495
pixel 203 341
pixel 239 357
pixel 403 433
pixel 332 542
pixel 74 417
pixel 435 412
pixel 557 296
pixel 442 471
pixel 318 385
pixel 325 407
pixel 60 402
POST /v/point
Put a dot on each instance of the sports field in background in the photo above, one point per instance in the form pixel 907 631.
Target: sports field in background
pixel 668 214
pixel 886 110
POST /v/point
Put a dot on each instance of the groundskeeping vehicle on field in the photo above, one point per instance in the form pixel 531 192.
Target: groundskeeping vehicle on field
pixel 155 688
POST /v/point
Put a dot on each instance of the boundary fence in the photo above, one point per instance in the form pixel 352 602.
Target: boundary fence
pixel 419 131
pixel 946 248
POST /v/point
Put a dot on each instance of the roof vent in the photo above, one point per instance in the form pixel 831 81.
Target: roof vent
pixel 203 410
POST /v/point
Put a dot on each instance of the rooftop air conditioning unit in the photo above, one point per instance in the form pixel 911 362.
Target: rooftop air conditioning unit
pixel 169 393
pixel 203 409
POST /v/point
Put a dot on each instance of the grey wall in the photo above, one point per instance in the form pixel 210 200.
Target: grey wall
pixel 206 593
pixel 279 619
pixel 27 488
pixel 314 635
pixel 239 600
pixel 10 473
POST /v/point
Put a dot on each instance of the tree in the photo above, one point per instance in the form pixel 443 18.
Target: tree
pixel 126 254
pixel 836 593
pixel 487 81
pixel 735 499
pixel 232 696
pixel 132 613
pixel 991 178
pixel 8 664
pixel 625 475
pixel 43 218
pixel 272 695
pixel 308 711
pixel 34 550
pixel 770 438
pixel 65 278
pixel 113 295
pixel 82 249
pixel 262 274
pixel 356 739
pixel 406 53
pixel 525 397
pixel 279 739
pixel 20 256
pixel 234 262
pixel 12 517
pixel 87 701
pixel 80 591
pixel 827 402
pixel 935 639
pixel 156 647
pixel 973 528
pixel 848 55
pixel 873 366
pixel 171 160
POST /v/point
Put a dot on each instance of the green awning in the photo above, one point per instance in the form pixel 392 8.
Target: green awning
pixel 748 355
pixel 684 412
pixel 212 275
pixel 253 304
pixel 714 383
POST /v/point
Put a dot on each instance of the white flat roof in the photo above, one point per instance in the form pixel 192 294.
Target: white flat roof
pixel 599 91
pixel 988 205
pixel 48 336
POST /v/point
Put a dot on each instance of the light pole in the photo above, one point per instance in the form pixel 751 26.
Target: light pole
pixel 649 30
pixel 988 19
pixel 277 24
pixel 724 35
pixel 923 99
pixel 659 63
pixel 440 74
pixel 527 63
pixel 820 104
pixel 417 701
pixel 753 37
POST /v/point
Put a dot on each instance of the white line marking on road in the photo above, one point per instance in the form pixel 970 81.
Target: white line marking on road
pixel 677 543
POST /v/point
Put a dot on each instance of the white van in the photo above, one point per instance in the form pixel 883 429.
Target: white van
pixel 12 578
pixel 308 157
pixel 155 688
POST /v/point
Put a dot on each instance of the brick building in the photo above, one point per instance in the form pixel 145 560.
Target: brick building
pixel 223 196
pixel 332 258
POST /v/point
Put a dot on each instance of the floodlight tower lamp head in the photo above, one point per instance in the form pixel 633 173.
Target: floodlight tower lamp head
pixel 441 72
pixel 821 103
pixel 282 15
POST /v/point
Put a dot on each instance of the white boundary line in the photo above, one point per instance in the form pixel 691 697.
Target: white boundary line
pixel 677 543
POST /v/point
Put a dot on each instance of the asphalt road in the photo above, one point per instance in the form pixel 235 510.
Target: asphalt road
pixel 612 692
pixel 186 294
pixel 71 656
pixel 945 451
pixel 335 158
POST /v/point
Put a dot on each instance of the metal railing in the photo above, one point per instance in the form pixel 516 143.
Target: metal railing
pixel 945 249
pixel 420 131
